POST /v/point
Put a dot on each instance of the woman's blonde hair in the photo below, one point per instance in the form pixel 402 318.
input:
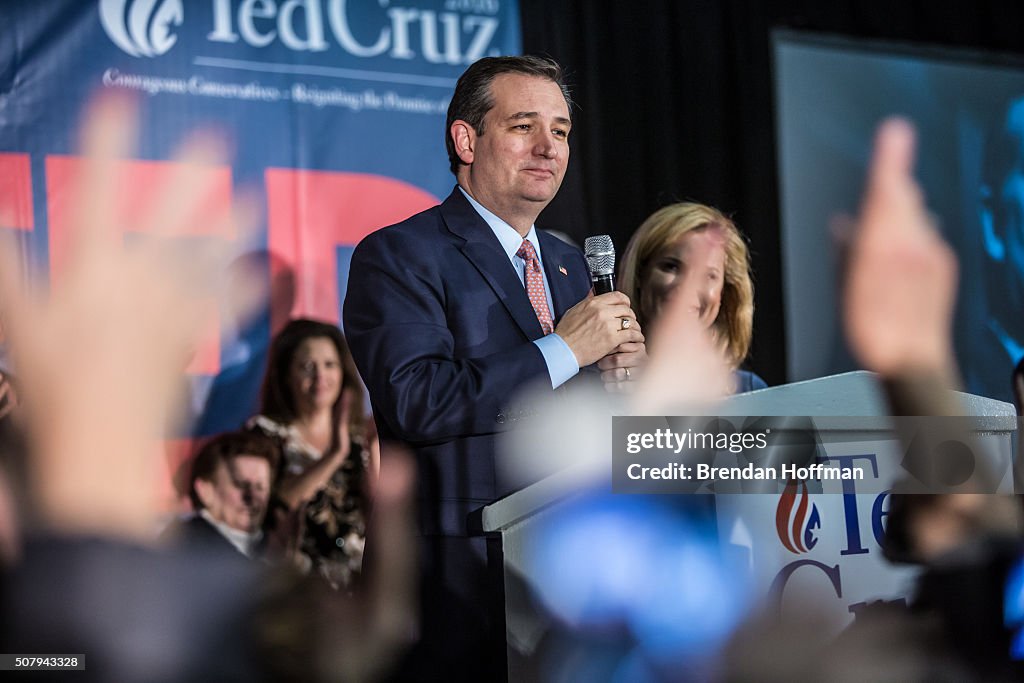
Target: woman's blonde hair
pixel 735 322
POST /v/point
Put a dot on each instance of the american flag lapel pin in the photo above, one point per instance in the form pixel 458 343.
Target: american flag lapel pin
pixel 561 269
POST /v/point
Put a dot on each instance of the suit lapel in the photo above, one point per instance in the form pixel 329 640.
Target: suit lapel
pixel 484 251
pixel 553 251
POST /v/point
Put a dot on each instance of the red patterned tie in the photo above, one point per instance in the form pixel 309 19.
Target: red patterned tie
pixel 535 286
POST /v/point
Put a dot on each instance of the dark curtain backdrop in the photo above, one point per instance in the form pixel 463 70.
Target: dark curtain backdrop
pixel 675 103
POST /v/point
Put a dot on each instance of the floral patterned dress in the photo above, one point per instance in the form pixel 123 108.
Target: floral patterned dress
pixel 327 534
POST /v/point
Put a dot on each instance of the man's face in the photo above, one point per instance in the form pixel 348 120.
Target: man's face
pixel 238 493
pixel 518 163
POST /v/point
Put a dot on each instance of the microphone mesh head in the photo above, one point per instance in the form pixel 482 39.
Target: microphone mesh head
pixel 600 253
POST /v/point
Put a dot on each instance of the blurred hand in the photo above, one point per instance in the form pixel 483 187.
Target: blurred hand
pixel 359 636
pixel 8 397
pixel 10 531
pixel 99 358
pixel 686 369
pixel 621 369
pixel 344 429
pixel 593 327
pixel 901 279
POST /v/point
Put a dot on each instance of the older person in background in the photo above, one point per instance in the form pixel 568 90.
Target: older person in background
pixel 230 489
pixel 695 250
pixel 312 405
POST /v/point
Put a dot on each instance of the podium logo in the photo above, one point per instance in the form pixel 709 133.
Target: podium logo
pixel 796 518
pixel 142 28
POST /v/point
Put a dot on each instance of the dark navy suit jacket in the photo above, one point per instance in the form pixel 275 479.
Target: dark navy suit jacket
pixel 440 327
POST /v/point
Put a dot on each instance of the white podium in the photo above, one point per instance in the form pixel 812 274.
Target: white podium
pixel 821 547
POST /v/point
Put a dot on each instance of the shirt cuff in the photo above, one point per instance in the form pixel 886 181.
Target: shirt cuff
pixel 559 358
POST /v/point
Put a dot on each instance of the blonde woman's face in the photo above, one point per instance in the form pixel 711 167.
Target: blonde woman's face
pixel 690 272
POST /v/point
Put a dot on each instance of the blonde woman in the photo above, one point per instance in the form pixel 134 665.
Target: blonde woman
pixel 696 245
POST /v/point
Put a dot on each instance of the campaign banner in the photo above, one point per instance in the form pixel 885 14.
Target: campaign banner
pixel 334 111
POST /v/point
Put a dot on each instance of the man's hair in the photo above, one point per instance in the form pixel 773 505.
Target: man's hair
pixel 473 98
pixel 224 447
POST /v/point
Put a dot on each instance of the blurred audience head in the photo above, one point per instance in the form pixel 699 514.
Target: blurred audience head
pixel 231 478
pixel 309 368
pixel 663 254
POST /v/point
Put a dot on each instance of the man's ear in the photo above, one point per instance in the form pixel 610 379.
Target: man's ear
pixel 464 138
pixel 991 234
pixel 205 493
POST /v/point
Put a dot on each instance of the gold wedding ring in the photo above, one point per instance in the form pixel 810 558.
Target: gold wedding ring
pixel 626 322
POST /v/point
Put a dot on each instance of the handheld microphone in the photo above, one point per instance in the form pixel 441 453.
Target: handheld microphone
pixel 600 253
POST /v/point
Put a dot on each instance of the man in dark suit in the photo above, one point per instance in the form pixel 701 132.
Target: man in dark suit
pixel 230 489
pixel 451 313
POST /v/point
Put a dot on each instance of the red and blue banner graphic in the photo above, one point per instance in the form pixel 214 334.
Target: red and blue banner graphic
pixel 334 109
pixel 797 518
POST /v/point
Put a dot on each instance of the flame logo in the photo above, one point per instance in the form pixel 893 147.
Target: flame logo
pixel 794 523
pixel 142 28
